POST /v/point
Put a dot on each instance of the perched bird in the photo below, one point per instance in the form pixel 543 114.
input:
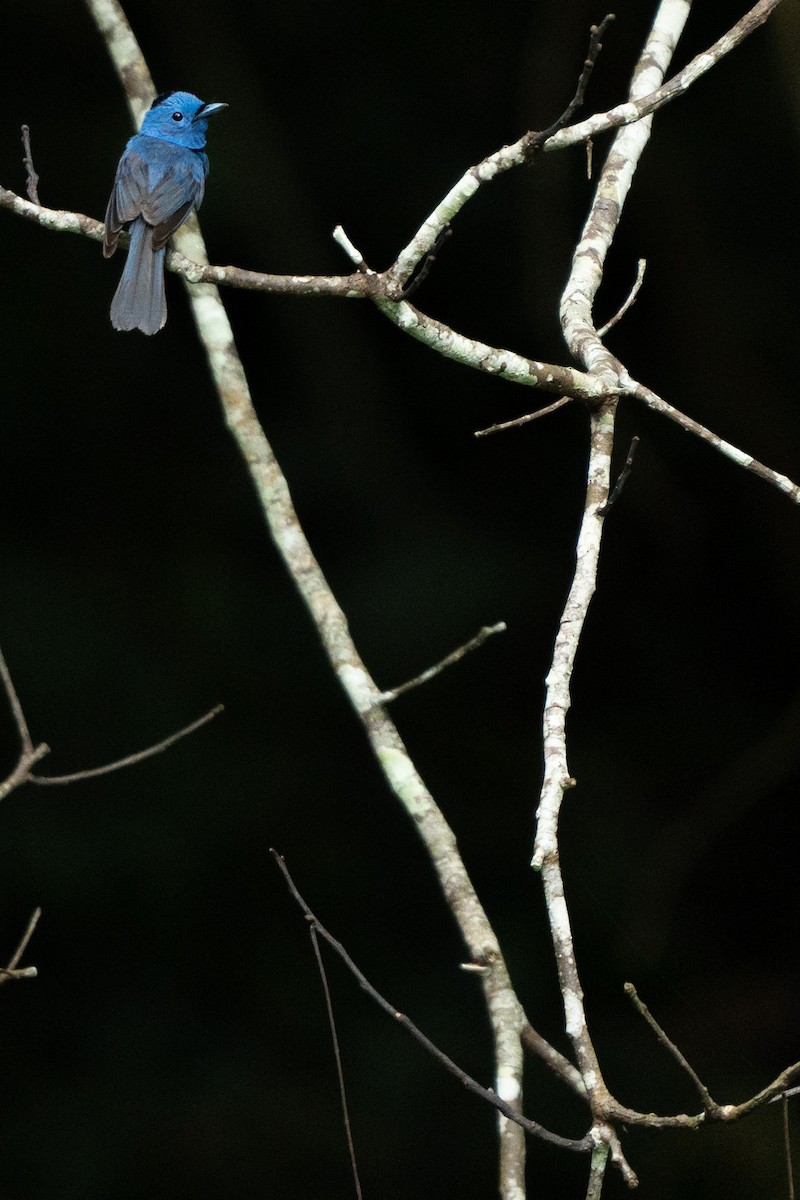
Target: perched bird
pixel 161 177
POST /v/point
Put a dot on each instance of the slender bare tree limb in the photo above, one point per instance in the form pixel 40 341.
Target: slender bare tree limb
pixel 633 110
pixel 558 1064
pixel 131 760
pixel 622 478
pixel 27 161
pixel 505 1011
pixel 337 1054
pixel 641 267
pixel 705 1096
pixel 526 419
pixel 598 381
pixel 449 660
pixel 787 1148
pixel 30 754
pixel 487 1094
pixel 17 712
pixel 581 337
pixel 12 970
pixel 737 456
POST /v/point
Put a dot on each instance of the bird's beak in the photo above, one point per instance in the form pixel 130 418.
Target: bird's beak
pixel 207 110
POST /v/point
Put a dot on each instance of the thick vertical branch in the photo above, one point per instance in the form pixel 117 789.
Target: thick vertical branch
pixel 557 778
pixel 582 338
pixel 505 1012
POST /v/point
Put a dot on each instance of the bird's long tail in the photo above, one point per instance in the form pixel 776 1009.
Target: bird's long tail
pixel 139 301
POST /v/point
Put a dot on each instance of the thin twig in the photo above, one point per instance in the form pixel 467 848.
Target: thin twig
pixel 622 478
pixel 517 421
pixel 580 1145
pixel 26 937
pixel 558 1064
pixel 737 456
pixel 11 971
pixel 455 656
pixel 708 1103
pixel 15 706
pixel 787 1147
pixel 131 759
pixel 337 1055
pixel 425 266
pixel 634 292
pixel 596 33
pixel 33 178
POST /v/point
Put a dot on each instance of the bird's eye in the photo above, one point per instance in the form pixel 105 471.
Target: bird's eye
pixel 177 116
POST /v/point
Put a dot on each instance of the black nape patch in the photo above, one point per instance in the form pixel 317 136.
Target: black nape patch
pixel 161 97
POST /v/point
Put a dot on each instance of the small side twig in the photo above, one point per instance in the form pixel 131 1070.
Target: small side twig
pixel 455 656
pixel 708 1103
pixel 25 741
pixel 13 970
pixel 596 32
pixel 338 1056
pixel 517 421
pixel 632 294
pixel 424 269
pixel 30 754
pixel 533 1041
pixel 131 759
pixel 580 1145
pixel 622 478
pixel 33 178
pixel 787 1147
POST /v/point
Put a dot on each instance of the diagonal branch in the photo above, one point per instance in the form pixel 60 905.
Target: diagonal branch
pixel 579 332
pixel 505 1011
pixel 12 969
pixel 637 106
pixel 449 660
pixel 29 754
pixel 131 760
pixel 487 1094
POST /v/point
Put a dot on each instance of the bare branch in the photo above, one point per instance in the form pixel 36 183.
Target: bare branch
pixel 787 1148
pixel 455 656
pixel 705 1096
pixel 597 1171
pixel 622 478
pixel 33 178
pixel 526 420
pixel 576 318
pixel 12 969
pixel 737 456
pixel 15 706
pixel 634 292
pixel 596 33
pixel 558 1064
pixel 640 105
pixel 582 1144
pixel 30 754
pixel 348 1129
pixel 505 1011
pixel 131 759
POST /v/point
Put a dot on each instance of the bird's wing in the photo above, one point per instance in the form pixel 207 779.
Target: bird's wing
pixel 161 183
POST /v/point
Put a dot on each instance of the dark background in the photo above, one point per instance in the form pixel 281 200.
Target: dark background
pixel 175 1042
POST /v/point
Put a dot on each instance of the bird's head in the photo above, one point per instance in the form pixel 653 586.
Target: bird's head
pixel 179 117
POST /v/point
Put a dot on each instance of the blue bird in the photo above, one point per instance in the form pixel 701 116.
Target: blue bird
pixel 160 178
